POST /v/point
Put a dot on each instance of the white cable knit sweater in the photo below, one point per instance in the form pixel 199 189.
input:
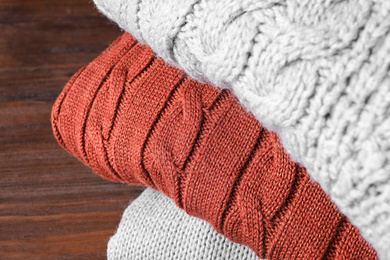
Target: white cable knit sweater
pixel 315 71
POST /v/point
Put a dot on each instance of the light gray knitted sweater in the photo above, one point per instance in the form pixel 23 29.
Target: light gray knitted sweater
pixel 153 227
pixel 315 71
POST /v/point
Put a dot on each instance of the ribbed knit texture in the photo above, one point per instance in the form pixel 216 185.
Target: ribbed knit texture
pixel 315 71
pixel 153 227
pixel 132 118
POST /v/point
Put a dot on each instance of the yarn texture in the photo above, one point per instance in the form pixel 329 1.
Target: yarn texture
pixel 315 71
pixel 133 118
pixel 153 227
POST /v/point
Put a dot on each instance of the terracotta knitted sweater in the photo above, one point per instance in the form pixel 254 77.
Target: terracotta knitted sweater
pixel 134 119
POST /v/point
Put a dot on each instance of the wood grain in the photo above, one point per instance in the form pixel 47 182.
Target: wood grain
pixel 51 205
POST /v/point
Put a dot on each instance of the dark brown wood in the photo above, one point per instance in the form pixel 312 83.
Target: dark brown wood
pixel 51 205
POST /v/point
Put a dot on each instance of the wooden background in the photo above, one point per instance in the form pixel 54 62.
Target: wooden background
pixel 51 205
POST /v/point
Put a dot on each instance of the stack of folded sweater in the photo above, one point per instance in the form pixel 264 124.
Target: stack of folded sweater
pixel 261 127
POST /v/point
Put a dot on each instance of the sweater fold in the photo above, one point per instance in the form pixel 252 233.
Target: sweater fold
pixel 132 118
pixel 153 227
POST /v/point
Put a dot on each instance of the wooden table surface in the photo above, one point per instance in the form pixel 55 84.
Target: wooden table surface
pixel 51 205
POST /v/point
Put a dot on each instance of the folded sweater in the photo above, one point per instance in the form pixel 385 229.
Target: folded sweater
pixel 153 227
pixel 132 118
pixel 315 71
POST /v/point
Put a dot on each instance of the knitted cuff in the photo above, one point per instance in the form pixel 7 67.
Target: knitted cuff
pixel 153 227
pixel 317 72
pixel 134 119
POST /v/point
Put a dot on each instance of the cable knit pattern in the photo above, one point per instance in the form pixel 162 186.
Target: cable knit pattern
pixel 135 119
pixel 153 227
pixel 315 71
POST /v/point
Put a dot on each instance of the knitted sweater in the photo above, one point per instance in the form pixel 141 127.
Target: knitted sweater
pixel 315 71
pixel 153 227
pixel 132 118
